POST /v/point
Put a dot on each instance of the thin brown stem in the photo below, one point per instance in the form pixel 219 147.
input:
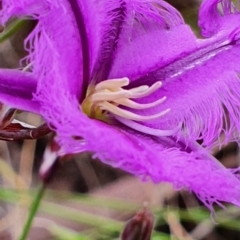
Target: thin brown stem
pixel 21 134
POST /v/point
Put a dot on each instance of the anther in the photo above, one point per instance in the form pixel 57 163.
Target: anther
pixel 129 115
pixel 112 84
pixel 131 104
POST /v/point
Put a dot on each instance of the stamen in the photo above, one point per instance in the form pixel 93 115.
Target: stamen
pixel 129 115
pixel 148 91
pixel 131 104
pixel 107 96
pixel 112 84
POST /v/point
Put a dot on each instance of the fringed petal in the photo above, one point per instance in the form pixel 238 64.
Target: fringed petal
pixel 102 19
pixel 156 159
pixel 17 89
pixel 54 46
pixel 27 8
pixel 200 77
pixel 152 35
pixel 202 91
pixel 218 15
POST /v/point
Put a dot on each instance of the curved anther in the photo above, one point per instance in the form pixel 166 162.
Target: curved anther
pixel 131 104
pixel 129 115
pixel 147 91
pixel 112 84
pixel 108 95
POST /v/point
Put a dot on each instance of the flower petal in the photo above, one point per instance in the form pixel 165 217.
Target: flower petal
pixel 218 15
pixel 54 46
pixel 102 20
pixel 17 89
pixel 199 88
pixel 153 35
pixel 200 81
pixel 82 34
pixel 159 159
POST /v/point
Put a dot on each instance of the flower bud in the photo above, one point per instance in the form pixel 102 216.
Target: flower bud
pixel 139 227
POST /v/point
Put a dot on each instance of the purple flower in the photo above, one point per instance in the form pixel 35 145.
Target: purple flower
pixel 129 81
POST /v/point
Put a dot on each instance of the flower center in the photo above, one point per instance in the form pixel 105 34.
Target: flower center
pixel 107 97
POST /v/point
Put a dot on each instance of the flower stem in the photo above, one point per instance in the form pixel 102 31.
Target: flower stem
pixel 16 25
pixel 32 212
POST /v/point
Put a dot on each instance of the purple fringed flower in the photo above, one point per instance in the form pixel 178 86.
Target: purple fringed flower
pixel 129 81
